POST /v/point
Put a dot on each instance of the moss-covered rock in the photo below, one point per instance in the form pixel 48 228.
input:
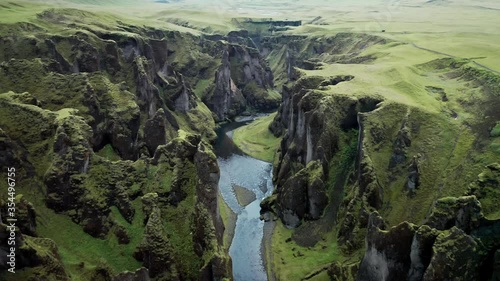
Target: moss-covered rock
pixel 486 189
pixel 343 272
pixel 155 250
pixel 463 212
pixel 455 256
pixel 242 80
pixel 40 254
pixel 387 254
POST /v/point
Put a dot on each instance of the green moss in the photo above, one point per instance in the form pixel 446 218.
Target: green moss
pixel 495 132
pixel 486 190
pixel 495 146
pixel 256 140
pixel 179 224
pixel 229 219
pixel 289 264
pixel 76 246
pixel 31 126
pixel 199 121
pixel 109 153
pixel 343 161
pixel 201 86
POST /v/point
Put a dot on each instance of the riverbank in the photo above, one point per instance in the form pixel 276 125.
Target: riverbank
pixel 229 218
pixel 266 248
pixel 244 181
pixel 256 140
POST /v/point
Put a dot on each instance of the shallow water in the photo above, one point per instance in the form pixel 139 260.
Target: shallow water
pixel 236 168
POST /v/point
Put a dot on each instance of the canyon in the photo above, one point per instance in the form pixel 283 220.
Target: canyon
pixel 254 148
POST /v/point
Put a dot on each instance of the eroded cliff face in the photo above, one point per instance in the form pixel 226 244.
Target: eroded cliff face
pixel 315 125
pixel 347 162
pixel 98 122
pixel 289 53
pixel 243 81
pixel 449 250
pixel 226 99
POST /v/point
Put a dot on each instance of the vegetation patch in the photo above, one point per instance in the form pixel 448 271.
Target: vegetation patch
pixel 293 262
pixel 229 219
pixel 495 132
pixel 256 139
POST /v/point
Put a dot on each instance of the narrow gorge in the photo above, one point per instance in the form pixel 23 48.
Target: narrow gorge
pixel 167 146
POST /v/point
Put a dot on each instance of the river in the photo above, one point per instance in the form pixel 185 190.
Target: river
pixel 237 168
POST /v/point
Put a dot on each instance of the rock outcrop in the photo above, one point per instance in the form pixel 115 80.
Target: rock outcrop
pixel 155 250
pixel 226 99
pixel 314 124
pixel 437 250
pixel 95 125
pixel 242 80
pixel 40 255
pixel 463 212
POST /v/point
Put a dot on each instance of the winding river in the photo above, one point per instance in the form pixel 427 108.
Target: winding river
pixel 237 168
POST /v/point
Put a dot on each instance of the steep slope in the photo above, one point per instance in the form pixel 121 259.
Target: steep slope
pixel 104 123
pixel 387 170
pixel 408 146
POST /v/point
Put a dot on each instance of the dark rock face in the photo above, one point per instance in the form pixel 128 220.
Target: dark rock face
pixel 387 254
pixel 456 256
pixel 303 196
pixel 155 132
pixel 208 222
pixel 26 216
pixel 369 187
pixel 400 145
pixel 39 253
pixel 341 272
pixel 314 124
pixel 72 158
pixel 226 99
pixel 438 250
pixel 413 179
pixel 184 98
pixel 243 79
pixel 206 190
pixel 12 155
pixel 421 252
pixel 249 67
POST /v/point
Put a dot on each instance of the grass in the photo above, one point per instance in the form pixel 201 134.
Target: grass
pixel 293 262
pixel 229 219
pixel 256 140
pixel 76 246
pixel 201 86
pixel 495 132
pixel 109 153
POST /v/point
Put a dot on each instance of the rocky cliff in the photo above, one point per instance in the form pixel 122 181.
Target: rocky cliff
pixel 347 161
pixel 387 170
pixel 242 81
pixel 97 121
